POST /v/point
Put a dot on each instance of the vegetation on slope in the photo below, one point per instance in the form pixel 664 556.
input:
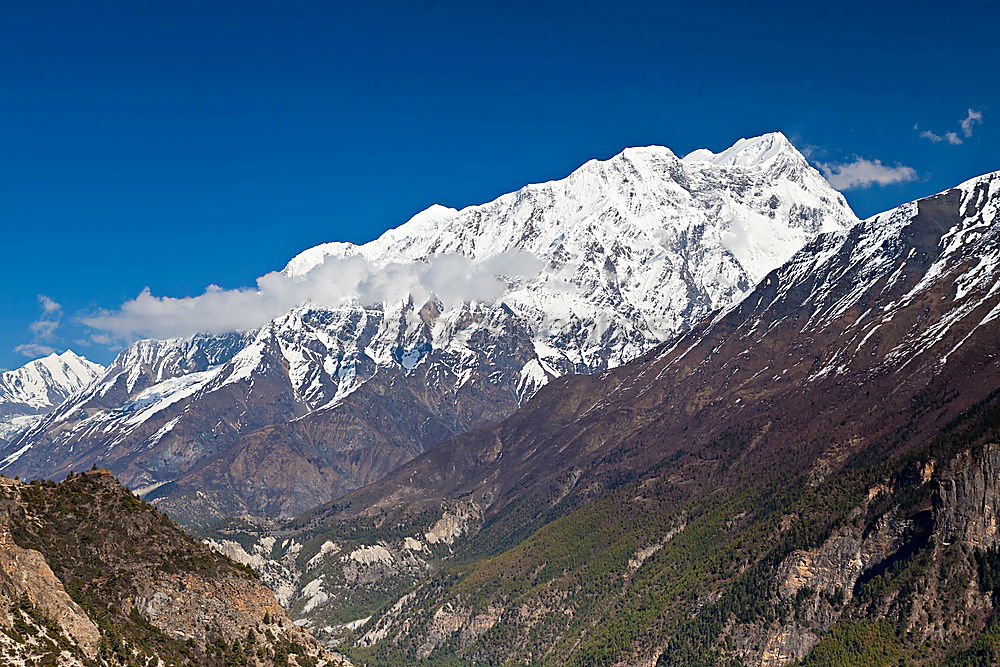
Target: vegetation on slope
pixel 576 591
pixel 110 550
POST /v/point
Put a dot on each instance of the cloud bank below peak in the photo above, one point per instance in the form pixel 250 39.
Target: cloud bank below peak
pixel 337 281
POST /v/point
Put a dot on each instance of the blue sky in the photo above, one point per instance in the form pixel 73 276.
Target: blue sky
pixel 175 145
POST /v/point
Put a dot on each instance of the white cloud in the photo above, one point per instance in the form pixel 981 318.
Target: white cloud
pixel 451 278
pixel 950 137
pixel 809 150
pixel 864 173
pixel 48 305
pixel 34 349
pixel 43 330
pixel 101 339
pixel 971 119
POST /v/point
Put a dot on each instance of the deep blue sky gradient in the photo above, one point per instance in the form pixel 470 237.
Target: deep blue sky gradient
pixel 175 144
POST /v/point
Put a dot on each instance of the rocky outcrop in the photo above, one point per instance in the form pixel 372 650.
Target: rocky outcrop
pixel 316 577
pixel 453 621
pixel 192 607
pixel 967 501
pixel 110 577
pixel 817 585
pixel 276 563
pixel 948 603
pixel 460 518
pixel 25 576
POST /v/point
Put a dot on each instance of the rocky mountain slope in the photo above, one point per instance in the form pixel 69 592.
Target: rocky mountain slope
pixel 90 575
pixel 809 472
pixel 35 389
pixel 592 270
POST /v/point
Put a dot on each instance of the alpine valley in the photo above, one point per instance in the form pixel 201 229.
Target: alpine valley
pixel 807 475
pixel 681 411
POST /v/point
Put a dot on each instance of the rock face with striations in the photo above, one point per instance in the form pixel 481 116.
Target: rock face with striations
pixel 968 499
pixel 28 584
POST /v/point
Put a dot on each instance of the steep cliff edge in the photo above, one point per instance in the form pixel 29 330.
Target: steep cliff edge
pixel 912 568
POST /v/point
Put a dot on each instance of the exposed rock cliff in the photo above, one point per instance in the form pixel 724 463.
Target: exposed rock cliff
pixel 109 580
pixel 36 613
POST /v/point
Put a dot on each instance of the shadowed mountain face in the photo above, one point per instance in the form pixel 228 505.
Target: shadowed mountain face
pixel 330 396
pixel 740 492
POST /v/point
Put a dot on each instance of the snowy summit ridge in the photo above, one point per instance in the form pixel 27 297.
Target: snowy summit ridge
pixel 649 240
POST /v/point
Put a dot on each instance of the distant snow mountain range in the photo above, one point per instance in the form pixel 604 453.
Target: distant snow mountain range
pixel 40 386
pixel 629 251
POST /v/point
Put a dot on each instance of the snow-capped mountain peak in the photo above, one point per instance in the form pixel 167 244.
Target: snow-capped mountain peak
pixel 645 194
pixel 630 251
pixel 28 392
pixel 46 382
pixel 751 152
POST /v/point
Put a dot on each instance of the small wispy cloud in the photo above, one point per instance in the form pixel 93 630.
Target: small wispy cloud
pixel 809 150
pixel 972 119
pixel 101 339
pixel 864 173
pixel 34 350
pixel 967 125
pixel 48 305
pixel 950 137
pixel 43 330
